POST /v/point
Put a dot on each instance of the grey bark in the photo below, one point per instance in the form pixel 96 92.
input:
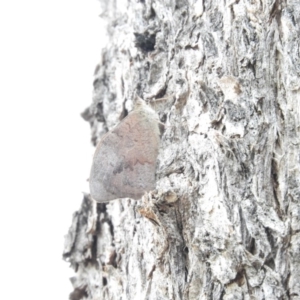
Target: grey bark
pixel 224 220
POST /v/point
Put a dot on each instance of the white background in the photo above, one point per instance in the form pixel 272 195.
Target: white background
pixel 48 53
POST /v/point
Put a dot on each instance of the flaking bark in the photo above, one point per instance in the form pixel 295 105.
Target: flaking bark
pixel 224 221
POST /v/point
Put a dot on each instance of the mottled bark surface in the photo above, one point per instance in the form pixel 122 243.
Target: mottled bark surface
pixel 224 221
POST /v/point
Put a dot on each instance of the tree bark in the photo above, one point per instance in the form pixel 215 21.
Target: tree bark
pixel 224 220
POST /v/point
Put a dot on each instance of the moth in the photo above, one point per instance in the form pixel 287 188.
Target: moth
pixel 124 162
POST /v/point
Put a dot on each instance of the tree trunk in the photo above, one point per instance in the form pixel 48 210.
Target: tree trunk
pixel 224 220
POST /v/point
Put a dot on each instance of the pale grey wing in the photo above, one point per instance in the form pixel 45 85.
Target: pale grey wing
pixel 105 160
pixel 125 160
pixel 140 150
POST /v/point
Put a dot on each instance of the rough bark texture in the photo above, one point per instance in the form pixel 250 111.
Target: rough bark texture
pixel 224 222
